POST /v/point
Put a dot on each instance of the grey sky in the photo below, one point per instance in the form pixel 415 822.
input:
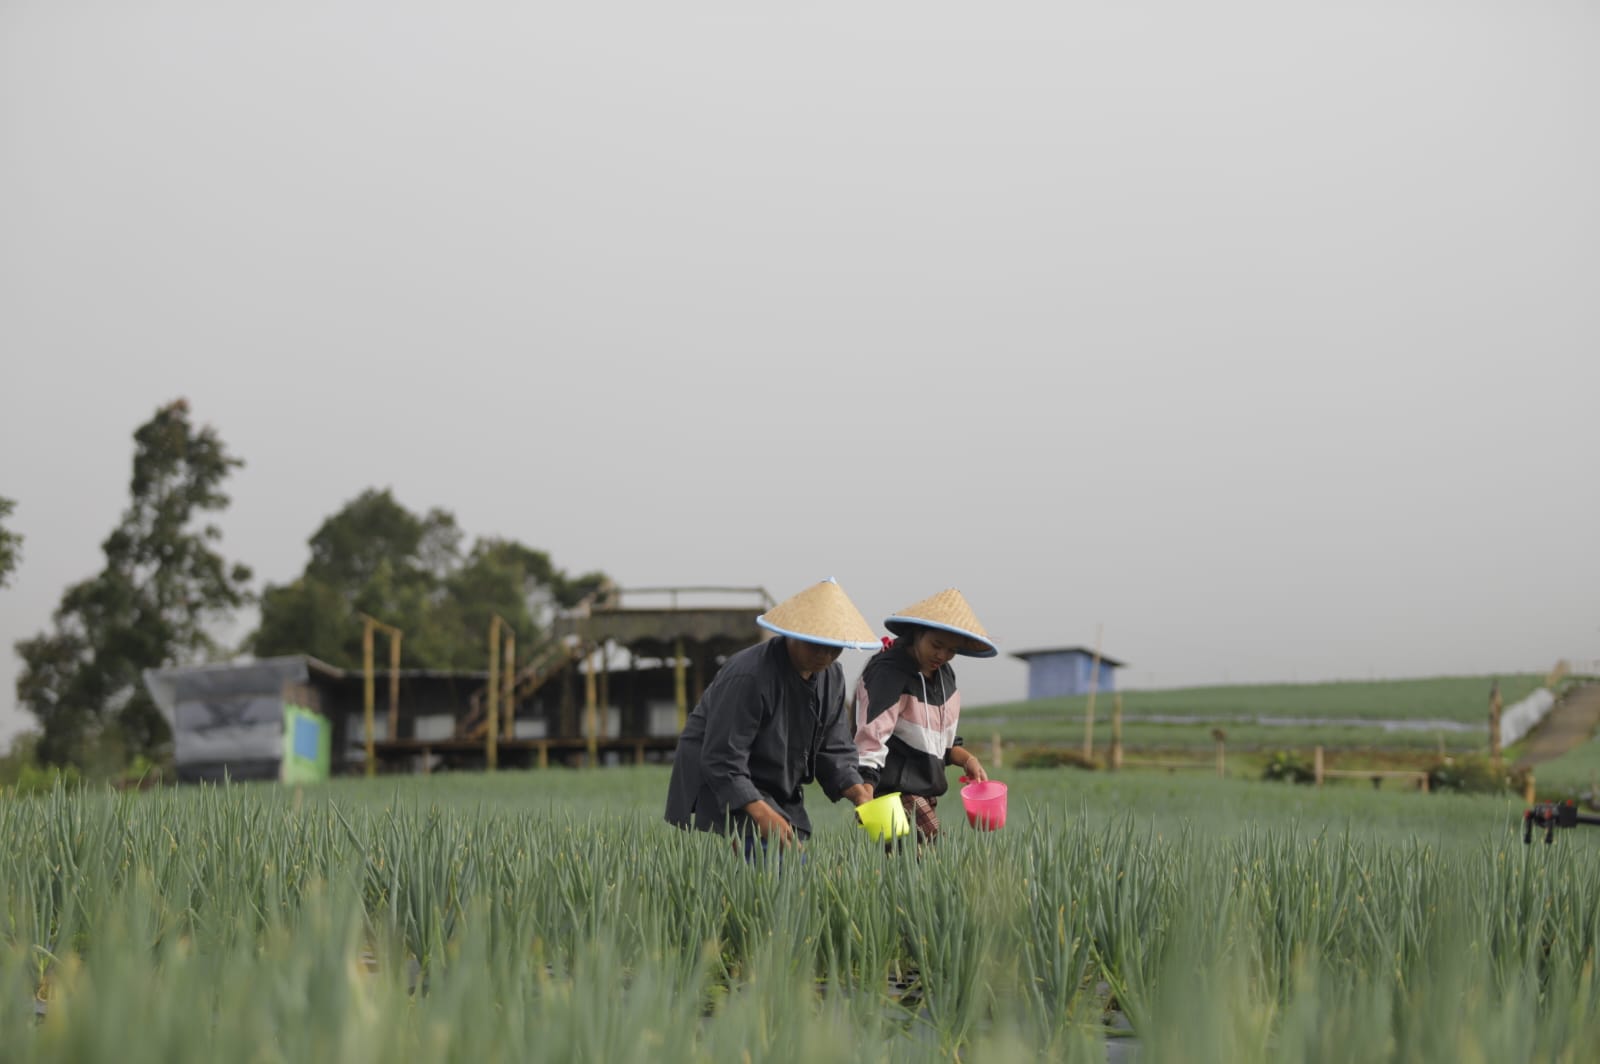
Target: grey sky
pixel 1264 335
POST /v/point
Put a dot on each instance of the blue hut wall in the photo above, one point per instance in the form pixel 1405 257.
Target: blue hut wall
pixel 1054 675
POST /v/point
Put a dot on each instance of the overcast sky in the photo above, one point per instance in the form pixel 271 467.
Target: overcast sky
pixel 1265 336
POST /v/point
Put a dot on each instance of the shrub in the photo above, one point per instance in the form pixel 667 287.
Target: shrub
pixel 1472 775
pixel 1284 767
pixel 1052 757
pixel 141 775
pixel 42 779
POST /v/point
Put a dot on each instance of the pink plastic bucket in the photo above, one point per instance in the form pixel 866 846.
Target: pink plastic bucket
pixel 986 804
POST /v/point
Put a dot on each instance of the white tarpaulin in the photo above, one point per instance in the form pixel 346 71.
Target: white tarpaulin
pixel 226 717
pixel 1518 720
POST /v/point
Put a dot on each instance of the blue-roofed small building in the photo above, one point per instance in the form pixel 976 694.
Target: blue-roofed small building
pixel 1057 671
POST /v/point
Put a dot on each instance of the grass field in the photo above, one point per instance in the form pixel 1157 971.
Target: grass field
pixel 1356 706
pixel 553 916
pixel 1458 698
pixel 1197 736
pixel 1575 772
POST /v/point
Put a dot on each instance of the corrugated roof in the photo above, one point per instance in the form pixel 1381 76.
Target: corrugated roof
pixel 1105 659
pixel 318 665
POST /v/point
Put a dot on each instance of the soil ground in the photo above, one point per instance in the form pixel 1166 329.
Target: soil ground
pixel 1571 723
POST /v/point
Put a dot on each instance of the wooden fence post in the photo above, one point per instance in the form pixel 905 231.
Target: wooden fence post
pixel 591 706
pixel 1495 706
pixel 1316 765
pixel 994 749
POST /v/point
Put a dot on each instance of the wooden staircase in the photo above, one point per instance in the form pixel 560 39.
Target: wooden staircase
pixel 547 663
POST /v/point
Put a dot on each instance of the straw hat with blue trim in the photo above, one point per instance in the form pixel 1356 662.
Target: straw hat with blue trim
pixel 948 612
pixel 822 613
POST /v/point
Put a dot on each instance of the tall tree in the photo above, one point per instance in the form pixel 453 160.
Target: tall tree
pixel 162 590
pixel 10 544
pixel 374 556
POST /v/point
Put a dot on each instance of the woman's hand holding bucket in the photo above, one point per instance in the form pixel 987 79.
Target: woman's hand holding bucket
pixel 972 769
pixel 884 818
pixel 985 803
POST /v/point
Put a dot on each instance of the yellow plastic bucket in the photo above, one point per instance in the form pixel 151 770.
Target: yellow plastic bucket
pixel 884 817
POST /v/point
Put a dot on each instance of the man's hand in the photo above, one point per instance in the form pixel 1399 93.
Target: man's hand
pixel 771 824
pixel 973 769
pixel 860 794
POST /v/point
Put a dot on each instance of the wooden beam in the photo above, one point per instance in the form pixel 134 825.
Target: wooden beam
pixel 605 677
pixel 510 682
pixel 591 711
pixel 491 738
pixel 369 625
pixel 679 683
pixel 368 696
pixel 394 683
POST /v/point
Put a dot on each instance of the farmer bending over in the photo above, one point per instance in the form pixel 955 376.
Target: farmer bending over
pixel 773 720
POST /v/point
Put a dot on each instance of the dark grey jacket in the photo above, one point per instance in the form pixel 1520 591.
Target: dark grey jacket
pixel 761 731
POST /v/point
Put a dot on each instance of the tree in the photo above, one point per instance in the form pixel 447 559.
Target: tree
pixel 376 557
pixel 505 577
pixel 154 604
pixel 10 544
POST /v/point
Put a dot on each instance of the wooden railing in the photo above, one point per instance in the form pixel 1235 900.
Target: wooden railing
pixel 1320 772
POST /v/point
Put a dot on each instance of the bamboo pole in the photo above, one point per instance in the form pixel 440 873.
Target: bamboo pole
pixel 591 711
pixel 679 681
pixel 1088 711
pixel 509 680
pixel 605 687
pixel 491 738
pixel 394 684
pixel 1116 732
pixel 369 693
pixel 368 696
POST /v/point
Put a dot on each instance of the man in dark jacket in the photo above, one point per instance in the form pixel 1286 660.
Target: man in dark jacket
pixel 773 720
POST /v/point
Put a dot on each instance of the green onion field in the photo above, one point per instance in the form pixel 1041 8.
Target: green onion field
pixel 554 916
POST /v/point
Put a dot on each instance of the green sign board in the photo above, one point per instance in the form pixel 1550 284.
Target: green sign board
pixel 307 743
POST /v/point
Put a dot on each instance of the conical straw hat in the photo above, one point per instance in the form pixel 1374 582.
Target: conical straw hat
pixel 948 611
pixel 822 613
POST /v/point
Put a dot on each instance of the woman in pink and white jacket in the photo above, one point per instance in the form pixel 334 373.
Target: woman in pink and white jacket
pixel 907 705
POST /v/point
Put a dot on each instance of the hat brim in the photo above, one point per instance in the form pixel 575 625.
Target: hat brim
pixel 986 649
pixel 847 644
